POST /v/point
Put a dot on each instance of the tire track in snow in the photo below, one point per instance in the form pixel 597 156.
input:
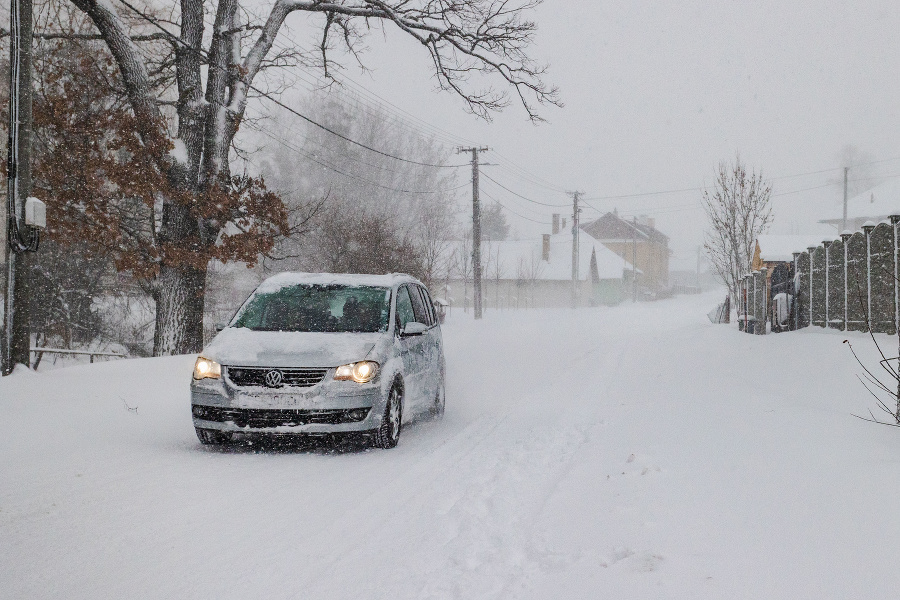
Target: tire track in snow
pixel 497 545
pixel 463 531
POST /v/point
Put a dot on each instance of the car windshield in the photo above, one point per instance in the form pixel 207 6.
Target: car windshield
pixel 318 308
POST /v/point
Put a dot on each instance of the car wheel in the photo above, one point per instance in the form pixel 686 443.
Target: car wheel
pixel 440 402
pixel 388 433
pixel 212 437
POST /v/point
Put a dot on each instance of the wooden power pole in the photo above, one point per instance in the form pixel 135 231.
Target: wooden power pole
pixel 476 230
pixel 20 236
pixel 576 230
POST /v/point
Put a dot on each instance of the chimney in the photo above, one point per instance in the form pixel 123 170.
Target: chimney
pixel 555 223
pixel 545 251
pixel 647 221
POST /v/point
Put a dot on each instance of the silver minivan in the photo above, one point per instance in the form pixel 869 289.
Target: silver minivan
pixel 321 353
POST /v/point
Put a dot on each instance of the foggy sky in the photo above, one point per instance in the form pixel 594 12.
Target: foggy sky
pixel 657 93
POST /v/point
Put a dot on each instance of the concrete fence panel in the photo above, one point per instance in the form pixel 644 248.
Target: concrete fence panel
pixel 819 285
pixel 760 310
pixel 836 300
pixel 881 260
pixel 841 284
pixel 856 282
pixel 802 299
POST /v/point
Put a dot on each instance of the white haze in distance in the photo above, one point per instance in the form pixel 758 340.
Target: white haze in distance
pixel 657 93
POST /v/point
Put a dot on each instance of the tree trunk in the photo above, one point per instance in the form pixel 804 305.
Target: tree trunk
pixel 179 293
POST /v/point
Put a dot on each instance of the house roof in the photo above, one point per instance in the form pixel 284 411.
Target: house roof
pixel 612 227
pixel 521 259
pixel 875 204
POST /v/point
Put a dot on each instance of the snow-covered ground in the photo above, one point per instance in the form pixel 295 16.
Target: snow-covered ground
pixel 631 452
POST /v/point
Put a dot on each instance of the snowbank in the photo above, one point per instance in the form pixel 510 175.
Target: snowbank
pixel 628 452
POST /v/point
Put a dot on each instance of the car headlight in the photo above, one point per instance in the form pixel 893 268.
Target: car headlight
pixel 205 368
pixel 360 372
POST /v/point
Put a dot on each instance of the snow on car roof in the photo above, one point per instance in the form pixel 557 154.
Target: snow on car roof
pixel 286 279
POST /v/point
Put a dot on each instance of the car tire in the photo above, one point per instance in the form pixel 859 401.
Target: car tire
pixel 212 437
pixel 436 412
pixel 388 433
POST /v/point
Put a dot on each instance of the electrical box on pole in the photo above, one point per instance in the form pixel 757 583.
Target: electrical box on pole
pixel 35 213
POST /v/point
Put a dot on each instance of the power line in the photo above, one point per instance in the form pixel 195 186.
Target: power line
pixel 423 127
pixel 641 194
pixel 330 167
pixel 511 166
pixel 866 164
pixel 514 212
pixel 520 195
pixel 333 151
pixel 344 137
pixel 271 98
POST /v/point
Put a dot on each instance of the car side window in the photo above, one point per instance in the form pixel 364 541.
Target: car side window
pixel 422 314
pixel 429 305
pixel 405 312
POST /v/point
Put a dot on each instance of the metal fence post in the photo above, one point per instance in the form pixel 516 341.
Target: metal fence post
pixel 895 219
pixel 867 228
pixel 826 243
pixel 811 249
pixel 764 299
pixel 751 305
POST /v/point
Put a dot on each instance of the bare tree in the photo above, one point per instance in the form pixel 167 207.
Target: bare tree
pixel 380 216
pixel 464 266
pixel 495 268
pixel 493 223
pixel 739 211
pixel 214 84
pixel 434 243
pixel 527 273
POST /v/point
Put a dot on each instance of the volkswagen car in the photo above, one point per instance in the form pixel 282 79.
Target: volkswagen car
pixel 321 354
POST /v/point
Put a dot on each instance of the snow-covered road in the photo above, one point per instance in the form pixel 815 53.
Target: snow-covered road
pixel 633 452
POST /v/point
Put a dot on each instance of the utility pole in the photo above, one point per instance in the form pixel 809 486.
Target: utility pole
pixel 576 230
pixel 22 222
pixel 476 229
pixel 844 222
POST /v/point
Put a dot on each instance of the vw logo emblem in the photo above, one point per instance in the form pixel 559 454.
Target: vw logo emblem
pixel 273 378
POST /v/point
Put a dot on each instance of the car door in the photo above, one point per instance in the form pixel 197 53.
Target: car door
pixel 412 350
pixel 424 310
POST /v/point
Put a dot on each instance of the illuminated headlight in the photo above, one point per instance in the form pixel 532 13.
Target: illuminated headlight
pixel 360 372
pixel 207 369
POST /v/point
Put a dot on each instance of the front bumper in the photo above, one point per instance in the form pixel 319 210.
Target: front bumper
pixel 327 407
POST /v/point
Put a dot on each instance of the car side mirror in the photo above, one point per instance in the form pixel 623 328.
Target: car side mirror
pixel 413 328
pixel 220 326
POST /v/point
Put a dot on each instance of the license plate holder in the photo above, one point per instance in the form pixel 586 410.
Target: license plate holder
pixel 273 400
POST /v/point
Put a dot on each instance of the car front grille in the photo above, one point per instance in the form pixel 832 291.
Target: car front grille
pixel 257 418
pixel 256 376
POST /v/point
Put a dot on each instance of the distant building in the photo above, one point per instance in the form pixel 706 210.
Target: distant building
pixel 636 238
pixel 876 204
pixel 537 273
pixel 691 272
pixel 770 250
